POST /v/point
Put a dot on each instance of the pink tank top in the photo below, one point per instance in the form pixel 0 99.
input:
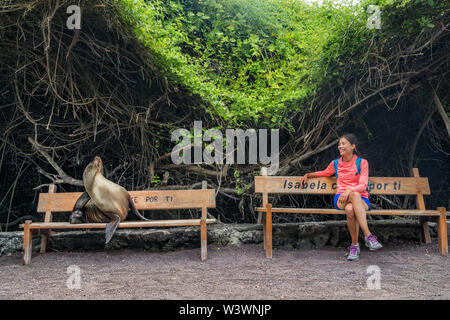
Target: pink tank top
pixel 347 177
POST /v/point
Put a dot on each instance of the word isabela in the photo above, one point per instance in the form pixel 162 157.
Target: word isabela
pixel 313 185
pixel 318 185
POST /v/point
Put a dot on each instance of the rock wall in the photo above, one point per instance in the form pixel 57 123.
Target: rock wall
pixel 290 235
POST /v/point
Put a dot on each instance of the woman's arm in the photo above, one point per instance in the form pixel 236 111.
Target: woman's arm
pixel 305 177
pixel 329 171
pixel 324 173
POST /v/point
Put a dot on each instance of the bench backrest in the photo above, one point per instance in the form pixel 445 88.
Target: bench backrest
pixel 415 185
pixel 144 199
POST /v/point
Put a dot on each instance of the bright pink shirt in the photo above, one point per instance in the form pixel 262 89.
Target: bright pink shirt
pixel 347 177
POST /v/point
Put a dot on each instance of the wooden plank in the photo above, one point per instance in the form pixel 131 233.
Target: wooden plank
pixel 144 200
pixel 425 230
pixel 399 212
pixel 327 185
pixel 27 243
pixel 48 218
pixel 204 206
pixel 269 231
pixel 420 204
pixel 203 241
pixel 442 232
pixel 263 221
pixel 265 199
pixel 203 234
pixel 126 224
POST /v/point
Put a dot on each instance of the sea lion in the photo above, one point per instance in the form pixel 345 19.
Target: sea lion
pixel 103 201
pixel 85 211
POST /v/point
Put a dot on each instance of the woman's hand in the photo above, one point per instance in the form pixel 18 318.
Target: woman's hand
pixel 344 196
pixel 303 179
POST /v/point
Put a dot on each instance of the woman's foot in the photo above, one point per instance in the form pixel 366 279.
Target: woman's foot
pixel 354 252
pixel 372 243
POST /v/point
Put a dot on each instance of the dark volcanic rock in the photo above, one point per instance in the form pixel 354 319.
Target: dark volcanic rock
pixel 305 235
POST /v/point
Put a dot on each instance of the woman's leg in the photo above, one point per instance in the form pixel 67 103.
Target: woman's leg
pixel 352 223
pixel 359 208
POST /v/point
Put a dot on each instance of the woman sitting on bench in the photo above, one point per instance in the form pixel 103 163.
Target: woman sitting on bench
pixel 351 195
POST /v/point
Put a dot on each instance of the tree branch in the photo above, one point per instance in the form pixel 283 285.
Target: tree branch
pixel 442 112
pixel 64 176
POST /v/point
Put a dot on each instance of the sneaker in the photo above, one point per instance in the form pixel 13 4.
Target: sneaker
pixel 354 253
pixel 372 243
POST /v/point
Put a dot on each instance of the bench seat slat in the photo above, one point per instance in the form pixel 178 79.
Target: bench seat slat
pixel 334 211
pixel 126 224
pixel 143 199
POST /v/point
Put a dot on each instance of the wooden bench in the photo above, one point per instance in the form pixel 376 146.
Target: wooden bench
pixel 53 202
pixel 415 185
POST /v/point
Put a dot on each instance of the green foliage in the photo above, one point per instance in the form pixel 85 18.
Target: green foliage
pixel 255 63
pixel 241 186
pixel 251 62
pixel 156 181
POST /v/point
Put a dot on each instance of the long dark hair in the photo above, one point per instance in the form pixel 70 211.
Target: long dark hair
pixel 353 140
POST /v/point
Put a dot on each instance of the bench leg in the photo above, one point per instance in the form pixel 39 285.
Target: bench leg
pixel 45 235
pixel 442 232
pixel 27 243
pixel 263 221
pixel 269 231
pixel 425 229
pixel 204 244
pixel 44 240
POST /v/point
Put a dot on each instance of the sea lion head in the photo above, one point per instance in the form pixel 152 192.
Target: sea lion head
pixel 92 169
pixel 95 165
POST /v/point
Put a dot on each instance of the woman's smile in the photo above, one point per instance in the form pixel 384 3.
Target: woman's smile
pixel 345 147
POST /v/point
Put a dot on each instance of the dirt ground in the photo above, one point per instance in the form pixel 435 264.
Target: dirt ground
pixel 411 271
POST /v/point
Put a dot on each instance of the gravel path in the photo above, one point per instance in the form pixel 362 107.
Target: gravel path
pixel 407 272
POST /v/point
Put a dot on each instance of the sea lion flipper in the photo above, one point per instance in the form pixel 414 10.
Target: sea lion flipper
pixel 111 228
pixel 134 210
pixel 77 215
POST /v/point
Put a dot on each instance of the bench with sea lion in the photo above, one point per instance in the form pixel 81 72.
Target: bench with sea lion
pixel 52 202
pixel 416 185
pixel 103 201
